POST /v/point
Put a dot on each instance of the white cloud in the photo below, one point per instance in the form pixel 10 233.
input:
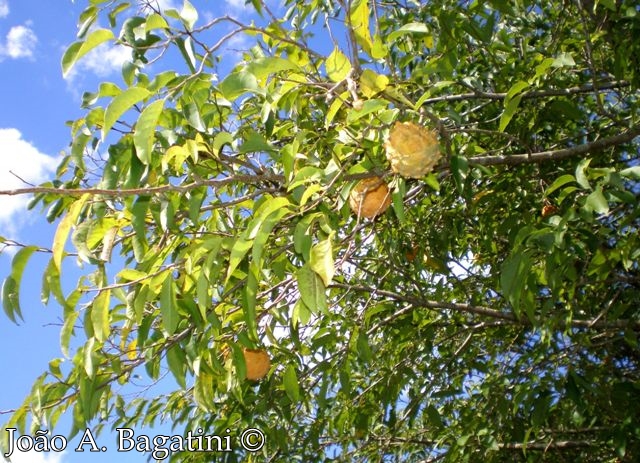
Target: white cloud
pixel 4 8
pixel 168 4
pixel 20 42
pixel 102 61
pixel 161 4
pixel 237 5
pixel 37 457
pixel 25 161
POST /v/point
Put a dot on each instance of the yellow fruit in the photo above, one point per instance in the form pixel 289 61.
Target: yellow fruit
pixel 412 150
pixel 257 362
pixel 370 197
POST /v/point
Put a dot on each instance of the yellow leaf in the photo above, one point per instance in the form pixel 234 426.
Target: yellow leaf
pixel 359 18
pixel 62 233
pixel 338 66
pixel 372 83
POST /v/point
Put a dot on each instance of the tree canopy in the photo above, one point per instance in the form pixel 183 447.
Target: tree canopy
pixel 489 314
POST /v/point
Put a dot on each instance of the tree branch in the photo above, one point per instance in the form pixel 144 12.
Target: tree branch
pixel 544 446
pixel 478 310
pixel 480 95
pixel 534 158
pixel 251 179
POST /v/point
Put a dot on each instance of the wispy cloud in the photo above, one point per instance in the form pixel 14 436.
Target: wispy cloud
pixel 19 159
pixel 20 43
pixel 238 5
pixel 102 61
pixel 162 4
pixel 4 8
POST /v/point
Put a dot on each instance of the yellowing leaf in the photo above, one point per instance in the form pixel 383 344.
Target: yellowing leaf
pixel 338 66
pixel 100 315
pixel 372 83
pixel 62 233
pixel 321 260
pixel 132 350
pixel 189 15
pixel 359 18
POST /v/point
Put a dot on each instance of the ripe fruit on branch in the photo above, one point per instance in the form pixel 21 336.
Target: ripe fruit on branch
pixel 257 362
pixel 548 209
pixel 412 150
pixel 370 197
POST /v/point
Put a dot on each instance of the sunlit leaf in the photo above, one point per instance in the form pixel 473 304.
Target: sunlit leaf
pixel 78 49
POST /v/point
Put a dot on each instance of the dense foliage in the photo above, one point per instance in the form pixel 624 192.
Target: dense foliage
pixel 490 314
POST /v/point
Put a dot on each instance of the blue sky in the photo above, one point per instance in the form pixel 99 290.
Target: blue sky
pixel 35 103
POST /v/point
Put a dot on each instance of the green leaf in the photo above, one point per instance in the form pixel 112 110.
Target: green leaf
pixel 88 357
pixel 460 170
pixel 631 172
pixel 426 95
pixel 130 274
pixel 513 278
pixel 155 21
pixel 291 386
pixel 261 68
pixel 516 89
pixel 177 361
pixel 10 299
pixel 186 49
pixel 255 142
pixel 581 175
pixel 11 286
pixel 312 291
pixel 559 183
pixel 144 135
pixel 120 104
pixel 237 83
pixel 68 326
pixel 564 60
pixel 369 106
pixel 337 65
pixel 100 315
pixel 204 390
pixel 337 103
pixel 78 49
pixel 596 202
pixel 245 241
pixel 168 306
pixel 321 260
pixel 362 347
pixel 510 107
pixel 301 314
pixel 410 28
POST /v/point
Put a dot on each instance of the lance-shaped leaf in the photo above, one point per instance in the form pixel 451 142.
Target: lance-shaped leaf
pixel 168 306
pixel 62 232
pixel 321 260
pixel 11 285
pixel 145 132
pixel 78 49
pixel 121 104
pixel 312 290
